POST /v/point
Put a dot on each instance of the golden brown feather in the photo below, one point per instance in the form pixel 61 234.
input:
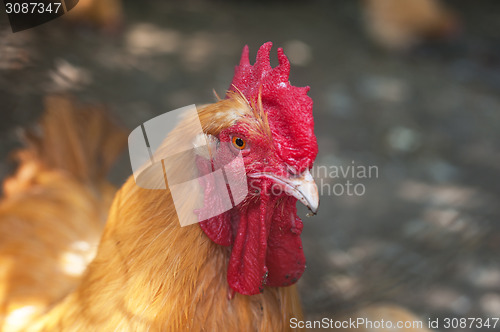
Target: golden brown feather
pixel 54 207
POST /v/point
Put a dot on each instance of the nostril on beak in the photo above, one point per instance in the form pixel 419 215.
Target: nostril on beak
pixel 292 171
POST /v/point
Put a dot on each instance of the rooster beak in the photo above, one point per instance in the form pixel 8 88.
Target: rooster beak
pixel 305 190
pixel 300 186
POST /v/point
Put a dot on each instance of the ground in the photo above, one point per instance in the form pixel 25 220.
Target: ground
pixel 423 228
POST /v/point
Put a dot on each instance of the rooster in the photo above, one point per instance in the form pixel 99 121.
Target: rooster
pixel 232 272
pixel 54 208
pixel 235 271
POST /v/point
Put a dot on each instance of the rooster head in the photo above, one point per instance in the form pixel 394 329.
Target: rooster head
pixel 269 123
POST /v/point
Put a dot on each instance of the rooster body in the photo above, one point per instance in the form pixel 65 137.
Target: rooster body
pixel 152 274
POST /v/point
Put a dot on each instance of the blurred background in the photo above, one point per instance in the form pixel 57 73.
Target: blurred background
pixel 413 90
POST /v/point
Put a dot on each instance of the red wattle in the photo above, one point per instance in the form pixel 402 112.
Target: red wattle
pixel 247 265
pixel 285 257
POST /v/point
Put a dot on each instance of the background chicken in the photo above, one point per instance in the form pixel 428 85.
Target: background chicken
pixel 105 14
pixel 403 24
pixel 54 208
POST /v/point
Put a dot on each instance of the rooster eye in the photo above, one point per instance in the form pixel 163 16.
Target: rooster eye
pixel 239 143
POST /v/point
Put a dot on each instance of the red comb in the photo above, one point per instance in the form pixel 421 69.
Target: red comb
pixel 288 108
pixel 248 79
